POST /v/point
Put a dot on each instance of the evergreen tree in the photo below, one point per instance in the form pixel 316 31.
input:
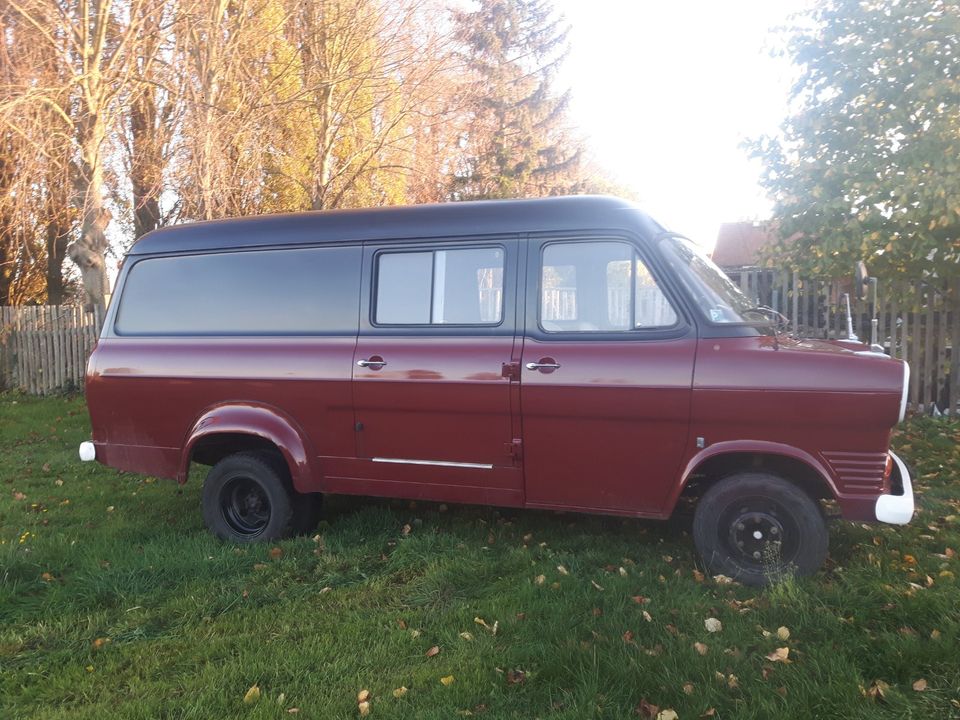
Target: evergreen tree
pixel 514 143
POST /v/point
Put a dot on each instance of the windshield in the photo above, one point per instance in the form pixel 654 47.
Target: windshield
pixel 718 297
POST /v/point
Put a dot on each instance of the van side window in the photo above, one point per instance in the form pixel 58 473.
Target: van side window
pixel 440 287
pixel 305 291
pixel 599 287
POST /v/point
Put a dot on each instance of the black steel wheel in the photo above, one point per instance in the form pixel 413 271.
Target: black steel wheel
pixel 245 499
pixel 758 528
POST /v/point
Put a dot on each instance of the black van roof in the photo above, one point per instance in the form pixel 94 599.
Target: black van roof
pixel 482 217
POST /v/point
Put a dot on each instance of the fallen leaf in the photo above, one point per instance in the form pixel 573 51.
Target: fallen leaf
pixel 110 508
pixel 628 636
pixel 400 692
pixel 405 530
pixel 701 648
pixel 597 612
pixel 733 682
pixel 562 570
pixel 17 495
pixel 516 677
pixel 647 616
pixel 646 709
pixel 259 566
pixel 698 576
pixel 402 624
pixel 492 629
pixel 281 699
pixel 623 571
pixel 713 625
pixel 252 695
pixel 447 680
pixel 293 710
pixel 783 633
pixel 688 688
pixel 528 537
pixel 364 708
pixel 934 634
pixel 435 650
pixel 711 712
pixel 275 553
pixel 363 696
pixel 100 642
pixel 779 655
pixel 540 579
pixel 46 577
pixel 722 580
pixel 640 599
pixel 877 691
pixel 667 715
pixel 596 585
pixel 920 685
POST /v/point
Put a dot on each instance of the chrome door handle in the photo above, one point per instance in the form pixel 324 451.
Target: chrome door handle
pixel 542 366
pixel 371 363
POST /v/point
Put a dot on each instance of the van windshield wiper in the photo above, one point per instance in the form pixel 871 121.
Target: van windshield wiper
pixel 781 323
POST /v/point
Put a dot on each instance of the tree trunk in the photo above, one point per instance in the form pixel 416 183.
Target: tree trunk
pixel 89 251
pixel 146 164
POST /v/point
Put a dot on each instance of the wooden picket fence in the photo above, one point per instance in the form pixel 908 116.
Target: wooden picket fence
pixel 44 348
pixel 915 322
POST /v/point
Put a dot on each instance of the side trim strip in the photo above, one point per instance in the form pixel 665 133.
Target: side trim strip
pixel 441 463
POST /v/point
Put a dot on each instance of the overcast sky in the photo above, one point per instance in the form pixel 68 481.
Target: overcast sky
pixel 667 91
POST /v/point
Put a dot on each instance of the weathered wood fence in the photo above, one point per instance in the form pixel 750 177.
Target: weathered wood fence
pixel 915 322
pixel 44 348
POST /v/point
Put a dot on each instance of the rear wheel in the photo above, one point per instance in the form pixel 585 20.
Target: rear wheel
pixel 758 528
pixel 245 499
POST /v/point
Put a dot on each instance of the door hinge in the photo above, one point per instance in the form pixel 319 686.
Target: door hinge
pixel 514 448
pixel 510 370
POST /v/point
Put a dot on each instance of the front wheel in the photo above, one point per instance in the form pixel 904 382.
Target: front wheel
pixel 757 528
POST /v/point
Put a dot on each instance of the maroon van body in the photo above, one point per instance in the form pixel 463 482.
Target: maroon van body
pixel 565 353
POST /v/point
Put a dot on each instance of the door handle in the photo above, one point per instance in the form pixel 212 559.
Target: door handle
pixel 371 363
pixel 542 365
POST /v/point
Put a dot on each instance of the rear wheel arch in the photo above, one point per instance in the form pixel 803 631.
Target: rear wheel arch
pixel 230 429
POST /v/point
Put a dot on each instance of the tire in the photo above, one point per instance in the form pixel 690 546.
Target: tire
pixel 245 499
pixel 758 528
pixel 307 507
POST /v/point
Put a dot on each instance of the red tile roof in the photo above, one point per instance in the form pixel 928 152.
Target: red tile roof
pixel 739 244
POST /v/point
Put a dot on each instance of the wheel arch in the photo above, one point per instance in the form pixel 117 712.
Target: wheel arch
pixel 723 459
pixel 236 427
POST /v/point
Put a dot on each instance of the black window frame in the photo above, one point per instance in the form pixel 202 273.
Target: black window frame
pixel 111 329
pixel 373 250
pixel 536 244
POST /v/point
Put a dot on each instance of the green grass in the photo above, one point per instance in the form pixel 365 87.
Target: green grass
pixel 115 602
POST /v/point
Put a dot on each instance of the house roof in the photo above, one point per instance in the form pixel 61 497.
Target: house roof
pixel 739 244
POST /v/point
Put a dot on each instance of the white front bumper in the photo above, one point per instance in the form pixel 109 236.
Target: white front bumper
pixel 897 509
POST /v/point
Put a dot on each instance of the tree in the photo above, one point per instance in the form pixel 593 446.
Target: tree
pixel 867 167
pixel 515 142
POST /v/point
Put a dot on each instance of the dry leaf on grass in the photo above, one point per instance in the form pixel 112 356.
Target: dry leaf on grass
pixel 400 692
pixel 713 625
pixel 667 714
pixel 562 570
pixel 364 708
pixel 447 680
pixel 252 695
pixel 646 709
pixel 363 696
pixel 466 636
pixel 783 633
pixel 920 685
pixel 701 648
pixel 435 650
pixel 276 553
pixel 779 655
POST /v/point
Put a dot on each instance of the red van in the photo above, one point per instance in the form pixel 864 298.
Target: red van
pixel 565 353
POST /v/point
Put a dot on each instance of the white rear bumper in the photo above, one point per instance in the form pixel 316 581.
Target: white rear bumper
pixel 88 451
pixel 897 509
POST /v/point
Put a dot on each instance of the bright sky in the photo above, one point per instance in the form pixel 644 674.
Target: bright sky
pixel 666 92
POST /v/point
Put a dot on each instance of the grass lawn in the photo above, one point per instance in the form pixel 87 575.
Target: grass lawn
pixel 116 602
